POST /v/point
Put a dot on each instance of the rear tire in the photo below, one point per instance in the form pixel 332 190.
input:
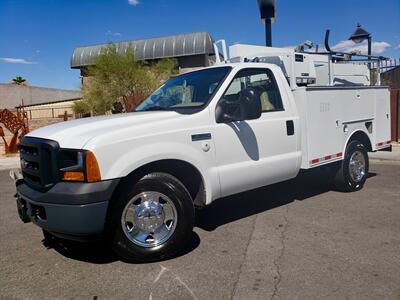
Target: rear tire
pixel 151 220
pixel 353 170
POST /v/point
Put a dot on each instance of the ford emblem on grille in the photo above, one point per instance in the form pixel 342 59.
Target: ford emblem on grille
pixel 24 163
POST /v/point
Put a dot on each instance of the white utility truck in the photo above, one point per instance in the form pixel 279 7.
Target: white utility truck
pixel 251 120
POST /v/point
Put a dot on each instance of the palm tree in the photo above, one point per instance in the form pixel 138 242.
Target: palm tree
pixel 18 80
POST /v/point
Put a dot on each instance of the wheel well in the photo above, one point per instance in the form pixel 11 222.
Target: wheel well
pixel 363 138
pixel 183 171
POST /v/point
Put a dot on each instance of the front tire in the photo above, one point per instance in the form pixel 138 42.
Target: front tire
pixel 151 220
pixel 354 168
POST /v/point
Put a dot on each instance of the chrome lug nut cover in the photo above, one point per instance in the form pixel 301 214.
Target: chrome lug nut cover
pixel 149 219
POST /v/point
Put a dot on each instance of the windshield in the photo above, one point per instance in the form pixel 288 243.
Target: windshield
pixel 191 90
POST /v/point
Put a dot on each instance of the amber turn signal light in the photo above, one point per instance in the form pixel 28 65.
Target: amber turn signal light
pixel 92 168
pixel 74 176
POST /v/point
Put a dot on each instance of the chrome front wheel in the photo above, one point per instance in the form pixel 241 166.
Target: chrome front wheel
pixel 149 219
pixel 152 219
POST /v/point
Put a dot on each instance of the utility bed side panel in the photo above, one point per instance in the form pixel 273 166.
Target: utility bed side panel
pixel 321 114
pixel 357 104
pixel 330 115
pixel 301 104
pixel 381 130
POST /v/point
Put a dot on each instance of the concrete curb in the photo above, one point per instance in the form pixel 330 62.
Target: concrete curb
pixel 9 162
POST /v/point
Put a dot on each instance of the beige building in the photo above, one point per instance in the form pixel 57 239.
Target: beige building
pixel 38 102
pixel 43 106
pixel 50 110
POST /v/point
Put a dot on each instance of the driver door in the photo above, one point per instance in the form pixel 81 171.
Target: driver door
pixel 254 153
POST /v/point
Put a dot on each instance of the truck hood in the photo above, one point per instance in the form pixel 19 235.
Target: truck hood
pixel 76 133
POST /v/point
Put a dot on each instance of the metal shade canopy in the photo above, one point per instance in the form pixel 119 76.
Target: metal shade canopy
pixel 197 43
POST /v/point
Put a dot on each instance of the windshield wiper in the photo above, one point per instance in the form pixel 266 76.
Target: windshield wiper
pixel 157 107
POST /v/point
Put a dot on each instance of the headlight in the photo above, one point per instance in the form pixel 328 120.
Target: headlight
pixel 78 165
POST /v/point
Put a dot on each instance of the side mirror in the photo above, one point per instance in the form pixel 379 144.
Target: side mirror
pixel 250 103
pixel 247 107
pixel 227 111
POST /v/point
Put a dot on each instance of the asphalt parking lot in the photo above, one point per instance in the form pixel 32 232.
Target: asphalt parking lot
pixel 294 240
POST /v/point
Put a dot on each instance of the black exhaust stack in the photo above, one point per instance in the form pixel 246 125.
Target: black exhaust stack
pixel 267 13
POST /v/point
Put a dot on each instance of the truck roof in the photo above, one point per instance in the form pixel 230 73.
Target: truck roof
pixel 241 64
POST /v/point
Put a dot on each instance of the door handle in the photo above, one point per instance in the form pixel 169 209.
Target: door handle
pixel 289 127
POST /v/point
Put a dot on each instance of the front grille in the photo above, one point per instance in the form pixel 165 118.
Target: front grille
pixel 39 162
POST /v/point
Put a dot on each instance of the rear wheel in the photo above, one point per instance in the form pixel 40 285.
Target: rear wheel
pixel 353 171
pixel 151 220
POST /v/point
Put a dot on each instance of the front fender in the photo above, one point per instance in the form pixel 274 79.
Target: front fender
pixel 122 164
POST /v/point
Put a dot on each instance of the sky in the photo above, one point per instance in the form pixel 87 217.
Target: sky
pixel 37 37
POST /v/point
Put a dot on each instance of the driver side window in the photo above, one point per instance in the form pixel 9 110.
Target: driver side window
pixel 263 81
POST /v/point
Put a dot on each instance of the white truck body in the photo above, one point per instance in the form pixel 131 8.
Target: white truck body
pixel 241 156
pixel 331 115
pixel 136 177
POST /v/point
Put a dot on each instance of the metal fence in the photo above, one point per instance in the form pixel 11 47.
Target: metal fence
pixel 385 65
pixel 381 72
pixel 395 114
pixel 48 113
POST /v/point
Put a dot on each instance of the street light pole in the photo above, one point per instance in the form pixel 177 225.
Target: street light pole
pixel 268 33
pixel 360 35
pixel 267 13
pixel 369 46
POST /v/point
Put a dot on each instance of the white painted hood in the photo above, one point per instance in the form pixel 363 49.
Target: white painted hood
pixel 76 133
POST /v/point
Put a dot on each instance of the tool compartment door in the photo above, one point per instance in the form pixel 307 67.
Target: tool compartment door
pixel 382 119
pixel 323 113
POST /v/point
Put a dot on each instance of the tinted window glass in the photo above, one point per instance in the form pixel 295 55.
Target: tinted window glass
pixel 189 90
pixel 260 79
